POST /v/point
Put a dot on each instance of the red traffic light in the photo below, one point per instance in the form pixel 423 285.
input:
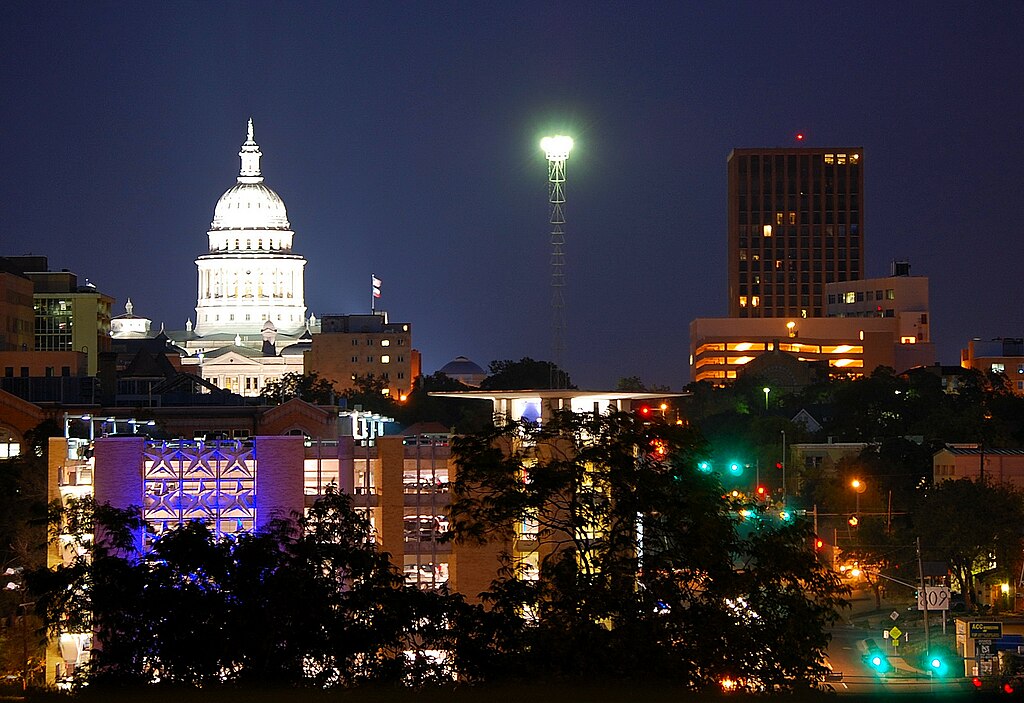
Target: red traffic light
pixel 778 465
pixel 762 492
pixel 645 410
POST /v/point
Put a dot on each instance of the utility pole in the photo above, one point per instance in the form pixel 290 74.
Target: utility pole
pixel 920 576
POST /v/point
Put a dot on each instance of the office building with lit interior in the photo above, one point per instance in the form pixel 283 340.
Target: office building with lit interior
pixel 870 322
pixel 400 482
pixel 795 224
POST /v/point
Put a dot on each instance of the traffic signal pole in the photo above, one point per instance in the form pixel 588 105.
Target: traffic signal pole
pixel 920 575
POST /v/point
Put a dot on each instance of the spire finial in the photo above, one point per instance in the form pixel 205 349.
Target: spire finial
pixel 128 306
pixel 250 153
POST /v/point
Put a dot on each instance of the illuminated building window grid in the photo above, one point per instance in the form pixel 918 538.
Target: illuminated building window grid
pixel 210 481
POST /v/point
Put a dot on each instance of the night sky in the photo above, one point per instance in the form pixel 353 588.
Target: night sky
pixel 403 138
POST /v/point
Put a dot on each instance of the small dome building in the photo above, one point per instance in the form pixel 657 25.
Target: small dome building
pixel 465 371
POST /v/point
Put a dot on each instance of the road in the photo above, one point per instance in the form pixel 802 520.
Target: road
pixel 860 678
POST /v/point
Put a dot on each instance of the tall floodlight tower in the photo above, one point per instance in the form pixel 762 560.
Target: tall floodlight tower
pixel 557 149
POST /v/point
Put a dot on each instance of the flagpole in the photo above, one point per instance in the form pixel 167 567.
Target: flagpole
pixel 373 294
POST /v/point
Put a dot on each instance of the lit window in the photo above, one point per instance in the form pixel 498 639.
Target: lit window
pixel 755 301
pixel 778 218
pixel 792 218
pixel 385 343
pixel 743 301
pixel 385 359
pixel 998 368
pixel 767 230
pixel 890 294
pixel 830 158
pixel 849 297
pixel 908 340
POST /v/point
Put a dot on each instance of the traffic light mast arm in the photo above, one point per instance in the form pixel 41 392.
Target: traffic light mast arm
pixel 889 578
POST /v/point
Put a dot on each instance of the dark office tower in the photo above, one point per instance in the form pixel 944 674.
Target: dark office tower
pixel 795 223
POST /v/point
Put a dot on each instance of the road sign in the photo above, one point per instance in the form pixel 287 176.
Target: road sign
pixel 935 597
pixel 895 633
pixel 894 615
pixel 984 630
pixel 984 649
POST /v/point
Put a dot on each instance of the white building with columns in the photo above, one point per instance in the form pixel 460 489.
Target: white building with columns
pixel 251 325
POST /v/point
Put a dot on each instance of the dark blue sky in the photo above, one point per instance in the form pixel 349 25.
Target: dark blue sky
pixel 403 138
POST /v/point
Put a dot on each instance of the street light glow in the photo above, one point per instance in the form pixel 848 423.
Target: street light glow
pixel 556 148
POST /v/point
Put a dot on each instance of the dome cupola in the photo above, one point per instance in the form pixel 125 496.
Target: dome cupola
pixel 249 204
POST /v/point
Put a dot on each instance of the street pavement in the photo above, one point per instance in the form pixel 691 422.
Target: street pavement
pixel 865 620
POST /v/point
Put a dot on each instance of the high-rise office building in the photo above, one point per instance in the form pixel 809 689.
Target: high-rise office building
pixel 795 224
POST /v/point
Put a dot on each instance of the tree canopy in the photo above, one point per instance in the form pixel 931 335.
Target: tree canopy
pixel 525 374
pixel 641 563
pixel 309 387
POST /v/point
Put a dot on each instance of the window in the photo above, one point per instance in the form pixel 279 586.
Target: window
pixel 369 342
pixel 65 370
pixel 385 343
pixel 355 359
pixel 9 371
pixel 778 218
pixel 849 297
pixel 767 230
pixel 24 372
pixel 369 359
pixel 355 342
pixel 998 368
pixel 385 359
pixel 401 374
pixel 743 301
pixel 890 294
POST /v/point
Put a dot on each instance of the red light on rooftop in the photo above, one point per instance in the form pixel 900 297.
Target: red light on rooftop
pixel 799 136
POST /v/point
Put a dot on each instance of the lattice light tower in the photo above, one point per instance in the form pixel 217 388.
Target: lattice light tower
pixel 557 150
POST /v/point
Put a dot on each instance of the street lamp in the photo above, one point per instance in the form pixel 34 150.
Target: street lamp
pixel 859 487
pixel 766 390
pixel 783 463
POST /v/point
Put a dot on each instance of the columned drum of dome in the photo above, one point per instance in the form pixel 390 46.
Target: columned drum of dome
pixel 250 275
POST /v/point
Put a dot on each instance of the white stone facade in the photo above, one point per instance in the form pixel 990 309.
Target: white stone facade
pixel 250 275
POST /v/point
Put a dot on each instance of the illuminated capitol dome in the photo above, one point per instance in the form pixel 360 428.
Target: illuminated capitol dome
pixel 251 326
pixel 250 276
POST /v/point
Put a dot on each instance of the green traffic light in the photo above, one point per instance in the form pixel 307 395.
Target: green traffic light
pixel 937 665
pixel 704 467
pixel 735 468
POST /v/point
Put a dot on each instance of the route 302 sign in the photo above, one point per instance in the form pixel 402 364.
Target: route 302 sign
pixel 933 598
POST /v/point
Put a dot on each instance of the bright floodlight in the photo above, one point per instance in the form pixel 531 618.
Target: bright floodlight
pixel 557 147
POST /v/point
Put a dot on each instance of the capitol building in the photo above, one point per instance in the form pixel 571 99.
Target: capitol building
pixel 251 325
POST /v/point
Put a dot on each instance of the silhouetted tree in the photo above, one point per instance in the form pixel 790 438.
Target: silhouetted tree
pixel 643 565
pixel 309 387
pixel 525 374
